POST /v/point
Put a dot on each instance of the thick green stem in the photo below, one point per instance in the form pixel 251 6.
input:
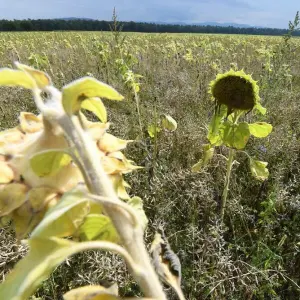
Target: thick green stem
pixel 227 180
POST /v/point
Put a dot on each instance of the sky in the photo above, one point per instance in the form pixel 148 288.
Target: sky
pixel 267 13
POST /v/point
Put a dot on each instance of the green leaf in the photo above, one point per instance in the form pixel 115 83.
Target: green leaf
pixel 207 156
pixel 153 130
pixel 260 129
pixel 96 106
pixel 11 77
pixel 98 227
pixel 49 163
pixel 66 217
pixel 169 123
pixel 214 127
pixel 137 204
pixel 259 169
pixel 236 135
pixel 74 93
pixel 42 79
pixel 45 254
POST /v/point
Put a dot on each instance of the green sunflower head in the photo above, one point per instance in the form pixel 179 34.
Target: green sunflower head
pixel 236 90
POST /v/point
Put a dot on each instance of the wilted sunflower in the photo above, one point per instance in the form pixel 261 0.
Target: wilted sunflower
pixel 25 195
pixel 236 90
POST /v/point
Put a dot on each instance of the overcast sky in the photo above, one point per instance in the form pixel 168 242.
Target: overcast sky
pixel 270 13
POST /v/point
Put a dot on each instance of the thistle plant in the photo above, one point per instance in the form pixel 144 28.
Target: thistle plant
pixel 235 94
pixel 61 176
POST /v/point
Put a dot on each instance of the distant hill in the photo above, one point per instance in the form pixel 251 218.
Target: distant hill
pixel 74 18
pixel 235 25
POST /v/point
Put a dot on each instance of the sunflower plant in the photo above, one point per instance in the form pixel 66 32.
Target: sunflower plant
pixel 235 94
pixel 61 177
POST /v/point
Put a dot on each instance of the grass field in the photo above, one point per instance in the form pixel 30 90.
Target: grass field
pixel 256 255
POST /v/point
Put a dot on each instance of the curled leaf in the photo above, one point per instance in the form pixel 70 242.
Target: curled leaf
pixel 259 169
pixel 42 79
pixel 45 254
pixel 137 205
pixel 6 173
pixel 169 123
pixel 96 106
pixel 93 292
pixel 110 143
pixel 11 77
pixel 166 262
pixel 85 88
pixel 30 123
pixel 207 156
pixel 120 185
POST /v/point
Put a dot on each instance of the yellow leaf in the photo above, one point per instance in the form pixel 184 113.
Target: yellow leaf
pixel 42 79
pixel 92 292
pixel 12 196
pixel 112 165
pixel 119 186
pixel 74 93
pixel 30 123
pixel 109 143
pixel 166 262
pixel 30 213
pixel 207 156
pixel 137 204
pixel 169 123
pixel 259 169
pixel 45 254
pixel 9 77
pixel 65 218
pixel 6 173
pixel 10 136
pixel 49 163
pixel 96 106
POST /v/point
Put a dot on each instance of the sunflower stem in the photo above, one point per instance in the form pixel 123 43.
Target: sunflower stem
pixel 99 184
pixel 227 181
pixel 230 162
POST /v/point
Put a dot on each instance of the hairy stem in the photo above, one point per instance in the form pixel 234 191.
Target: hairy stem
pixel 99 184
pixel 227 180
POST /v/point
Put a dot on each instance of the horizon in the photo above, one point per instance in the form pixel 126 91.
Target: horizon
pixel 264 13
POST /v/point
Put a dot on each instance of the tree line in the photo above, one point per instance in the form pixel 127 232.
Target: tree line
pixel 97 25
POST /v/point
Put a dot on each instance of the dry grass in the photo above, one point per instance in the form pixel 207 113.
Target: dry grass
pixel 243 260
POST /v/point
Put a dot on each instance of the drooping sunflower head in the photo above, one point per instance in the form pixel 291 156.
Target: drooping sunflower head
pixel 236 90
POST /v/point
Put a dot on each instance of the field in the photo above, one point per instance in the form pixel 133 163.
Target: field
pixel 256 254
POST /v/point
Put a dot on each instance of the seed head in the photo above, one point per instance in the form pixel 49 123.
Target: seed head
pixel 236 90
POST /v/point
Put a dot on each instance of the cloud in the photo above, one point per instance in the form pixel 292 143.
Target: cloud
pixel 254 12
